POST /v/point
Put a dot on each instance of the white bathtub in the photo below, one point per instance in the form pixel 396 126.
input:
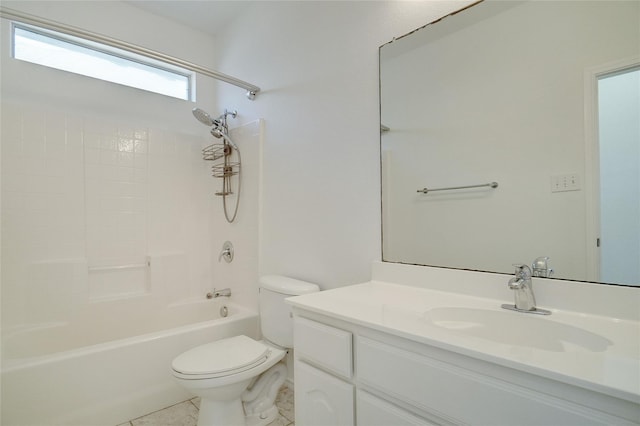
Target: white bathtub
pixel 48 378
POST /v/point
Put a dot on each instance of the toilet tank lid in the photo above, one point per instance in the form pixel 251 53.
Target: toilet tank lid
pixel 286 285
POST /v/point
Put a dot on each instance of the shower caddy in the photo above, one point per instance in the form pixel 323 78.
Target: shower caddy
pixel 222 169
pixel 221 154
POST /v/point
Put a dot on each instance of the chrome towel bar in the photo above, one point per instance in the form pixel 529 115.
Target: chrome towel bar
pixel 490 184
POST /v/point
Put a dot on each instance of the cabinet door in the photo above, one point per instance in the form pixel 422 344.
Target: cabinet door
pixel 321 399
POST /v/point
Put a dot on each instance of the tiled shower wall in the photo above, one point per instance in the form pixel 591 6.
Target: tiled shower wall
pixel 116 183
pixel 89 203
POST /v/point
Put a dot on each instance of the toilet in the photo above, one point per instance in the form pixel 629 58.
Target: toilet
pixel 238 378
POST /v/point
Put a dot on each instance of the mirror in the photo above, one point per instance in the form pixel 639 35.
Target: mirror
pixel 513 93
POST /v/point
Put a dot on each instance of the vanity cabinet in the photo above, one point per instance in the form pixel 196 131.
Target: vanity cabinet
pixel 323 363
pixel 349 374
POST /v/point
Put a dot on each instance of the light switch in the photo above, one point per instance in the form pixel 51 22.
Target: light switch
pixel 569 182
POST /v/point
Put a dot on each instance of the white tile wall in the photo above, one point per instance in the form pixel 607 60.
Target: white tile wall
pixel 81 193
pixel 42 211
pixel 116 200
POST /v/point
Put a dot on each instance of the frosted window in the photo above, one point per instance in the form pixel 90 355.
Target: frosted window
pixel 79 56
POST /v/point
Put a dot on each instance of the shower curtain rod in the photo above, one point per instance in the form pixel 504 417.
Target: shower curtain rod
pixel 25 18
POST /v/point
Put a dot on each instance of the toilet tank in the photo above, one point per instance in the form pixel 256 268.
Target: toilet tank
pixel 276 321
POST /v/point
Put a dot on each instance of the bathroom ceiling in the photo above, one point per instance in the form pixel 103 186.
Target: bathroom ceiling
pixel 211 16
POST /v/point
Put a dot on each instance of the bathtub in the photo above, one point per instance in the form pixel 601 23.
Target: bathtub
pixel 50 375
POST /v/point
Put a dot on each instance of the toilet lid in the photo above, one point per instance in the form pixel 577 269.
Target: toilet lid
pixel 222 357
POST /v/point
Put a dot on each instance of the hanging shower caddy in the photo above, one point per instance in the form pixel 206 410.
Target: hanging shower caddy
pixel 223 168
pixel 221 154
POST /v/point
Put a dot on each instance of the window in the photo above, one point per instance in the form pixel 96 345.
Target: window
pixel 76 55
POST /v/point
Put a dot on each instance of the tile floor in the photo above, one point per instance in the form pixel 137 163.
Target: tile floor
pixel 186 413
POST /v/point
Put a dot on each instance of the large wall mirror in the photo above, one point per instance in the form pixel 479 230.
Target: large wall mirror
pixel 541 98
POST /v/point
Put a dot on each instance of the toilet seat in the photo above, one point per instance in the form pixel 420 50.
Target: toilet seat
pixel 221 358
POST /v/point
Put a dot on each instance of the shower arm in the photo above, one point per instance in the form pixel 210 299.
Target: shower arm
pixel 26 18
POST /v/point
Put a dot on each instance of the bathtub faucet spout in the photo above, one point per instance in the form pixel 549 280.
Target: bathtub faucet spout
pixel 225 292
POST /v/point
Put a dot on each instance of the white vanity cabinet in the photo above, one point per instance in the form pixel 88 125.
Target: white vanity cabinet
pixel 348 373
pixel 323 362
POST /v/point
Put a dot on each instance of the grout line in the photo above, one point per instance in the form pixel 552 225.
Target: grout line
pixel 153 412
pixel 194 404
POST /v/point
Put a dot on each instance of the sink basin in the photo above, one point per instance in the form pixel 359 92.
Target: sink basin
pixel 516 329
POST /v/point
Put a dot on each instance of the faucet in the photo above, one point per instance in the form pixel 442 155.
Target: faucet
pixel 225 292
pixel 540 267
pixel 522 286
pixel 521 283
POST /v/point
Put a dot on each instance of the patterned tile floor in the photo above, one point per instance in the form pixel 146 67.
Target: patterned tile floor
pixel 186 413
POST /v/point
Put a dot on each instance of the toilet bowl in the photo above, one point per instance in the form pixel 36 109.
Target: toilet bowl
pixel 238 378
pixel 220 372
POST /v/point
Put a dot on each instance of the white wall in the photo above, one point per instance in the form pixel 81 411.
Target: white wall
pixel 317 65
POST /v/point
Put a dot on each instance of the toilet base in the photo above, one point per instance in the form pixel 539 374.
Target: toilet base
pixel 214 412
pixel 263 418
pixel 260 397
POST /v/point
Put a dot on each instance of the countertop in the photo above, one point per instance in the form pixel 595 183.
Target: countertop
pixel 611 368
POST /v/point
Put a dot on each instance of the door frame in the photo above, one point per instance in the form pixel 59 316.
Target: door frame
pixel 592 157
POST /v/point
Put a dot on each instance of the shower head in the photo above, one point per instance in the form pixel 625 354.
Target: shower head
pixel 203 117
pixel 218 125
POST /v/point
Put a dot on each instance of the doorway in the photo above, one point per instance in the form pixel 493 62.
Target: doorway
pixel 617 185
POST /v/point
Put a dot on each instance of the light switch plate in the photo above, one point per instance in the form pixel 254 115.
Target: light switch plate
pixel 568 182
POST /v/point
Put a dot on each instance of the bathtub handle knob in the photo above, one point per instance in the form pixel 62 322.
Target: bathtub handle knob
pixel 227 252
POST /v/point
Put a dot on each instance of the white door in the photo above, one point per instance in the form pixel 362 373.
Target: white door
pixel 619 143
pixel 614 239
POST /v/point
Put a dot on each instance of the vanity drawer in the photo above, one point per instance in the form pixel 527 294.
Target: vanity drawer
pixel 325 346
pixel 321 398
pixel 462 396
pixel 373 411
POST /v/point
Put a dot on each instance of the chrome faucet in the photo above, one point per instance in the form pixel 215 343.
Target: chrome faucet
pixel 540 267
pixel 225 292
pixel 522 286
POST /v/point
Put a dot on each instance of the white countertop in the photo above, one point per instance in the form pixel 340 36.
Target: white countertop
pixel 403 310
